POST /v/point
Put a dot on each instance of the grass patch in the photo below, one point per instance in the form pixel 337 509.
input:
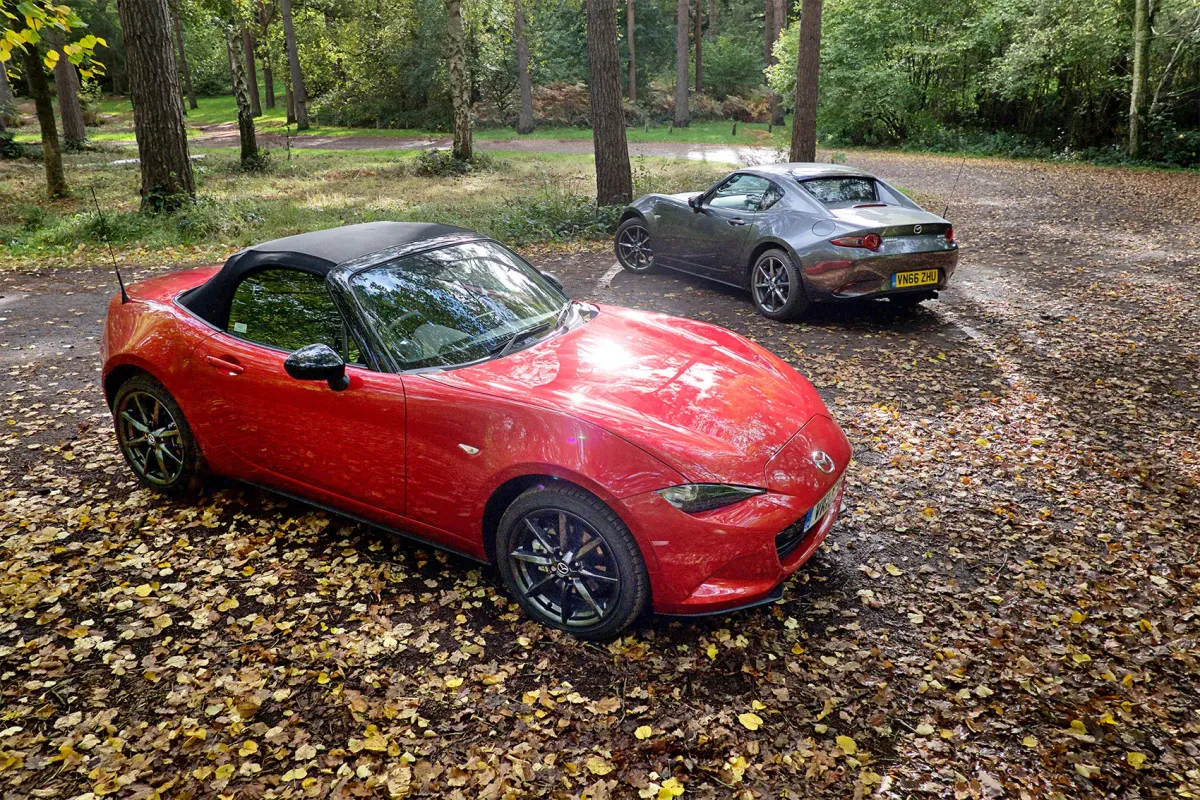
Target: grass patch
pixel 521 199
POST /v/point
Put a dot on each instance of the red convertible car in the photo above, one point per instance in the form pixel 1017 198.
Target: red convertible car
pixel 426 379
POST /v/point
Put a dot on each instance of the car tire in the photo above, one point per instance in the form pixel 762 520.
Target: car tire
pixel 776 287
pixel 155 437
pixel 633 246
pixel 596 586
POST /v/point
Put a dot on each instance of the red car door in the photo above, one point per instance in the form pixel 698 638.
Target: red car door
pixel 344 448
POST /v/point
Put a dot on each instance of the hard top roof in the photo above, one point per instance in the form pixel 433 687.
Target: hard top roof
pixel 806 170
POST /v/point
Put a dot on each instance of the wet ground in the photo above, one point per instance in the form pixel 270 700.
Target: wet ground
pixel 1007 607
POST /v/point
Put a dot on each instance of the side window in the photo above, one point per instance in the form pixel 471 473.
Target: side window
pixel 740 193
pixel 289 309
pixel 770 197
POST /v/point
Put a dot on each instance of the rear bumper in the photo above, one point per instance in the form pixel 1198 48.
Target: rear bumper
pixel 832 279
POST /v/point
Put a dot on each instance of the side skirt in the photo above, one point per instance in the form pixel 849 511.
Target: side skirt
pixel 774 597
pixel 370 523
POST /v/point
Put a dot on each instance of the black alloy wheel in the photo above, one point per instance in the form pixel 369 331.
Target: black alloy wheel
pixel 154 436
pixel 571 563
pixel 634 248
pixel 776 287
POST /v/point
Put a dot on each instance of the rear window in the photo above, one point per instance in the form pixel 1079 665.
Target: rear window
pixel 841 191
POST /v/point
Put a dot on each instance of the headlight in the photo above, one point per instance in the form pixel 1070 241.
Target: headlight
pixel 693 498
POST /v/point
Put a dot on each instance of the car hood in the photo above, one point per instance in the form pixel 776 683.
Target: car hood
pixel 884 216
pixel 707 402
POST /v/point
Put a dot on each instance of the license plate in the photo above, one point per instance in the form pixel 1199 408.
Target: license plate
pixel 920 277
pixel 818 512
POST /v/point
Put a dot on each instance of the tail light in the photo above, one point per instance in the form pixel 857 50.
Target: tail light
pixel 950 234
pixel 871 241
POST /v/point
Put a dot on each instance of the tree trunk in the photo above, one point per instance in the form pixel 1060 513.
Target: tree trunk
pixel 808 67
pixel 268 68
pixel 712 18
pixel 525 122
pixel 460 84
pixel 780 18
pixel 1141 63
pixel 289 98
pixel 157 104
pixel 6 98
pixel 698 38
pixel 299 98
pixel 251 71
pixel 614 181
pixel 630 39
pixel 56 181
pixel 681 64
pixel 70 108
pixel 768 29
pixel 241 95
pixel 183 62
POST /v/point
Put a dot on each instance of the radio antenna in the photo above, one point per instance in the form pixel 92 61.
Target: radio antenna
pixel 111 255
pixel 954 191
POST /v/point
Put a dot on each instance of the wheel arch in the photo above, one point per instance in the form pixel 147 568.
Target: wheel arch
pixel 764 246
pixel 118 375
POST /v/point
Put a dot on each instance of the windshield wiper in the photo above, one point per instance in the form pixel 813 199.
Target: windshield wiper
pixel 502 350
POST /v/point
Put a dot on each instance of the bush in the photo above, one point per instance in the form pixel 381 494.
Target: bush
pixel 733 65
pixel 443 164
pixel 9 147
pixel 554 213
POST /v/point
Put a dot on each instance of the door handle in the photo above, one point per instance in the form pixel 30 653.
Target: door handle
pixel 736 221
pixel 225 365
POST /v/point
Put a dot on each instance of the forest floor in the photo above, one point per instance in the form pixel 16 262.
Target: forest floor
pixel 1006 608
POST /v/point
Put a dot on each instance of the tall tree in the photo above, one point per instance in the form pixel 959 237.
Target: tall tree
pixel 241 96
pixel 6 97
pixel 289 99
pixel 681 64
pixel 779 16
pixel 614 181
pixel 630 40
pixel 56 180
pixel 698 38
pixel 266 15
pixel 183 62
pixel 251 72
pixel 712 18
pixel 525 121
pixel 299 98
pixel 808 68
pixel 167 179
pixel 66 83
pixel 1141 64
pixel 460 83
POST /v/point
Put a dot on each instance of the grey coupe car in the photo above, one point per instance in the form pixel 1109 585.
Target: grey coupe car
pixel 794 234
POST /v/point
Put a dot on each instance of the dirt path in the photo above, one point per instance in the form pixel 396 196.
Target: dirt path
pixel 1008 605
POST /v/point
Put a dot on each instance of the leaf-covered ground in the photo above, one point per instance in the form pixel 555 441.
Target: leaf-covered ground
pixel 1008 607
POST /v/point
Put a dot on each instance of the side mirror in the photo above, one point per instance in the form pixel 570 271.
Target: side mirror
pixel 318 362
pixel 695 203
pixel 550 276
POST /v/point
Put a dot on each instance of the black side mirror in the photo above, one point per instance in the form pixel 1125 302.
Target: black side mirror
pixel 318 362
pixel 696 202
pixel 550 276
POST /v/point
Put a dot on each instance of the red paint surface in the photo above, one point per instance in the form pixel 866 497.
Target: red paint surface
pixel 624 405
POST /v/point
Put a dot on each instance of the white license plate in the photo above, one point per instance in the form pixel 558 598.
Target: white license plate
pixel 818 512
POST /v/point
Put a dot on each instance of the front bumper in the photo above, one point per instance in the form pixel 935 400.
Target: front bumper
pixel 737 556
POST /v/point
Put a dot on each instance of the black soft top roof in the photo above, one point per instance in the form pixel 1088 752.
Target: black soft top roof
pixel 317 252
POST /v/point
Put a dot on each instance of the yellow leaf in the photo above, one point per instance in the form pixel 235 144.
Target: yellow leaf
pixel 893 570
pixel 644 732
pixel 750 721
pixel 598 766
pixel 1077 617
pixel 143 590
pixel 454 683
pixel 323 678
pixel 228 604
pixel 1029 741
pixel 924 729
pixel 1078 726
pixel 712 651
pixel 224 772
pixel 68 456
pixel 1135 759
pixel 249 748
pixel 847 744
pixel 1087 770
pixel 757 706
pixel 670 788
pixel 869 778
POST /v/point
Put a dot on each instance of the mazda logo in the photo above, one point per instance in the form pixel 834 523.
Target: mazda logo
pixel 916 228
pixel 824 461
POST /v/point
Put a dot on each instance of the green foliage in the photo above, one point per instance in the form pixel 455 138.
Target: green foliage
pixel 733 65
pixel 443 164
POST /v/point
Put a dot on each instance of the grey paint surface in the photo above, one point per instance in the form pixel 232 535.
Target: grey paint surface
pixel 722 244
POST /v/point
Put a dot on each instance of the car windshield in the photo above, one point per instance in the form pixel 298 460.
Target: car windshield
pixel 841 191
pixel 456 304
